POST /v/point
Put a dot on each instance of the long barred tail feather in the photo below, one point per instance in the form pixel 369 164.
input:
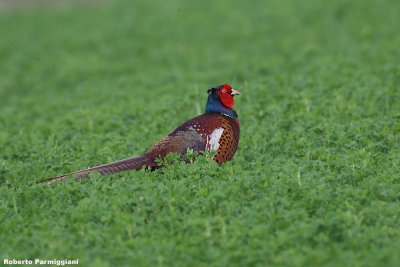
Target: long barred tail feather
pixel 135 163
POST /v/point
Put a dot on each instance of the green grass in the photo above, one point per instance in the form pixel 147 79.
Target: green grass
pixel 316 178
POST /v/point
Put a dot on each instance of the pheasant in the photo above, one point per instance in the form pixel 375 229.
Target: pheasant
pixel 216 130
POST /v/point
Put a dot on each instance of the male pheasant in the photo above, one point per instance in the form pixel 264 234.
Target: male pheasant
pixel 216 130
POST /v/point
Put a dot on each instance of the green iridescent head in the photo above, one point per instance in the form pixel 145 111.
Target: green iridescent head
pixel 220 100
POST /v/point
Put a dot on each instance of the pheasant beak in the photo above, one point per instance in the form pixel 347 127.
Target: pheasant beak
pixel 235 92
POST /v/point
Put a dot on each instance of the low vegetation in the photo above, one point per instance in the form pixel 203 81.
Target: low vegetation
pixel 315 181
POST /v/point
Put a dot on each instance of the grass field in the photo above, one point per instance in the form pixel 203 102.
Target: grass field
pixel 315 181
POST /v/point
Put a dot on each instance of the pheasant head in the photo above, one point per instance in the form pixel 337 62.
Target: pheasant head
pixel 220 100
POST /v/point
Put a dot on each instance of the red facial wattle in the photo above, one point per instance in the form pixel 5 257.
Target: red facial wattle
pixel 225 95
pixel 227 100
